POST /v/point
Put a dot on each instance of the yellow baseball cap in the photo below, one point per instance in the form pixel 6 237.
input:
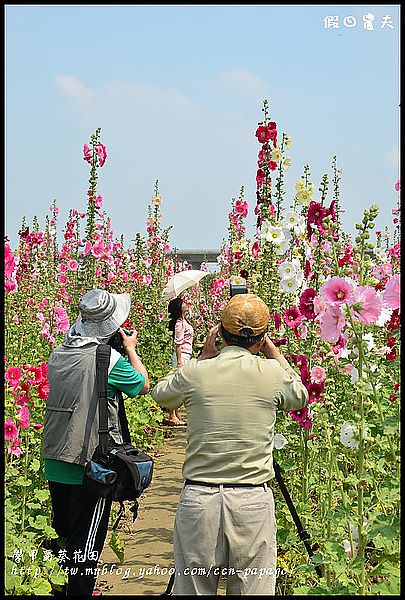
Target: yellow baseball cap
pixel 245 315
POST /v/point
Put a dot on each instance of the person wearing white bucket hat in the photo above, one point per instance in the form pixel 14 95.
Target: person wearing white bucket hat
pixel 70 434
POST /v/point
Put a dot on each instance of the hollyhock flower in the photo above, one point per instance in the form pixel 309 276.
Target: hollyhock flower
pixel 263 134
pixel 336 291
pixel 287 269
pixel 275 154
pixel 13 376
pixel 97 250
pixel 314 392
pixel 307 303
pixel 316 213
pixel 10 430
pixel 63 279
pixel 369 339
pixel 398 186
pixel 15 448
pixel 289 284
pixel 395 321
pixel 101 153
pixel 241 207
pixel 38 426
pixel 34 375
pixel 333 322
pixel 43 390
pixel 318 374
pixel 365 306
pixel 99 201
pixel 87 154
pixel 288 142
pixel 348 435
pixel 280 441
pixel 273 234
pixel 286 163
pixel 24 417
pixel 277 321
pixel 391 294
pixel 292 219
pixel 260 175
pixel 72 265
pixel 348 548
pixel 292 317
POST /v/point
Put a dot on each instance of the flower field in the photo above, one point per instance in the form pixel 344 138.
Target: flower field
pixel 335 315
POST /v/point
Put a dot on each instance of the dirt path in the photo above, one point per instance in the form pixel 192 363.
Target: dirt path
pixel 148 542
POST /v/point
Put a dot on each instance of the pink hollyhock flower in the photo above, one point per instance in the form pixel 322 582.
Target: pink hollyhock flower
pixel 336 291
pixel 99 200
pixel 87 155
pixel 292 317
pixel 147 279
pixel 35 376
pixel 10 430
pixel 101 153
pixel 97 250
pixel 24 417
pixel 365 305
pixel 15 448
pixel 263 134
pixel 398 186
pixel 318 374
pixel 22 401
pixel 307 303
pixel 333 322
pixel 9 262
pixel 391 294
pixel 255 250
pixel 13 376
pixel 38 426
pixel 166 248
pixel 63 279
pixel 72 265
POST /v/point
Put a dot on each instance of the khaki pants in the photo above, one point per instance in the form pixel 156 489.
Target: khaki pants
pixel 225 531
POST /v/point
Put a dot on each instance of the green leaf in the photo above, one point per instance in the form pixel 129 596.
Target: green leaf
pixel 117 545
pixel 35 464
pixel 42 495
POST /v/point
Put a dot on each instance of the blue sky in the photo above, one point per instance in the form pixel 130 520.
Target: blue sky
pixel 178 91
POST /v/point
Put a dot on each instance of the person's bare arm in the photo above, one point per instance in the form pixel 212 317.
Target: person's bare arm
pixel 130 342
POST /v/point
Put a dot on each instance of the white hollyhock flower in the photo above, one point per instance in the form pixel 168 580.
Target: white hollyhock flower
pixel 299 227
pixel 348 435
pixel 348 548
pixel 288 142
pixel 287 269
pixel 354 375
pixel 368 337
pixel 289 284
pixel 291 219
pixel 385 314
pixel 282 248
pixel 286 163
pixel 279 441
pixel 274 235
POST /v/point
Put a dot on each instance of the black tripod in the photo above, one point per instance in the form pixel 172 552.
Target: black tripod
pixel 302 533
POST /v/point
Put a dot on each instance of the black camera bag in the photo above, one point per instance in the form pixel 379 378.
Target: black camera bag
pixel 121 470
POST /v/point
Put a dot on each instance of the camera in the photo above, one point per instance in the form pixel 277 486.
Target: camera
pixel 237 286
pixel 116 342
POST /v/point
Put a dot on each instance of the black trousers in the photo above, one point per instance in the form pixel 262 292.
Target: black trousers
pixel 82 519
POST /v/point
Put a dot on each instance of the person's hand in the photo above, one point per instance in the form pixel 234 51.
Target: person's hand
pixel 269 349
pixel 129 341
pixel 209 349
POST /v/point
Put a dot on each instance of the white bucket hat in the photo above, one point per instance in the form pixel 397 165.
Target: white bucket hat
pixel 102 313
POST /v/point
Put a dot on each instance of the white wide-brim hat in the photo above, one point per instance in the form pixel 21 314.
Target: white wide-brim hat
pixel 102 313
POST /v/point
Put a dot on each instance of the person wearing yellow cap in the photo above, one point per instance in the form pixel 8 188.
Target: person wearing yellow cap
pixel 225 521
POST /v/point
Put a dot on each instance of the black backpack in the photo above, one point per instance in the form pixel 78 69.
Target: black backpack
pixel 121 470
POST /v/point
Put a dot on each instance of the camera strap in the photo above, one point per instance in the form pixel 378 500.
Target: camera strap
pixel 103 353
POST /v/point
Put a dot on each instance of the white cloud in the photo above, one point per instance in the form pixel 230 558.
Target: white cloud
pixel 242 81
pixel 74 88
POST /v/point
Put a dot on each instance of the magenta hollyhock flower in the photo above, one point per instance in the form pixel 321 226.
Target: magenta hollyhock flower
pixel 43 390
pixel 13 376
pixel 318 374
pixel 87 153
pixel 333 322
pixel 24 417
pixel 255 250
pixel 398 186
pixel 10 430
pixel 336 291
pixel 316 213
pixel 314 391
pixel 241 207
pixel 277 321
pixel 9 262
pixel 307 303
pixel 263 134
pixel 292 317
pixel 38 426
pixel 101 153
pixel 35 376
pixel 99 200
pixel 391 294
pixel 260 177
pixel 365 305
pixel 15 448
